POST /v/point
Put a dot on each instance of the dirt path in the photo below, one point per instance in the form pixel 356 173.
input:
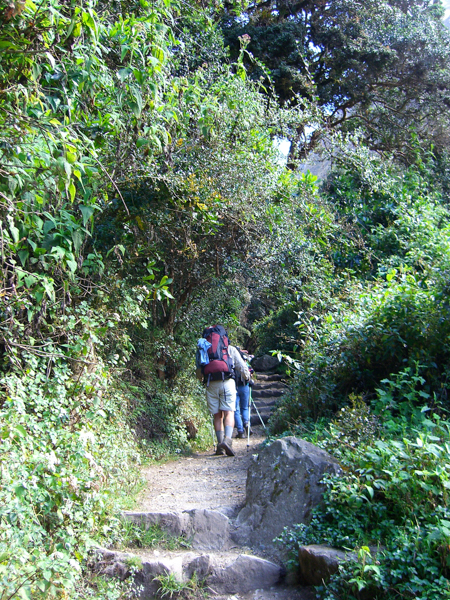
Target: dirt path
pixel 201 481
pixel 208 481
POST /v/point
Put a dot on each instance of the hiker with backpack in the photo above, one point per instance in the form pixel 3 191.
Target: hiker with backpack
pixel 243 384
pixel 217 364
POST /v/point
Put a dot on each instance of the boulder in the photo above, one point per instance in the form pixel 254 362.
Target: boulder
pixel 265 363
pixel 317 563
pixel 283 485
pixel 146 580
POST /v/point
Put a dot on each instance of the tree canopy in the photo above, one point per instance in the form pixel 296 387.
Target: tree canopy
pixel 382 66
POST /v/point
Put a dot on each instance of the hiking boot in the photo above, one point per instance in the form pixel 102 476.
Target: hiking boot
pixel 220 451
pixel 246 429
pixel 226 446
pixel 241 435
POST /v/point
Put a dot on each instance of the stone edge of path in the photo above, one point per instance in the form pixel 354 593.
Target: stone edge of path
pixel 221 574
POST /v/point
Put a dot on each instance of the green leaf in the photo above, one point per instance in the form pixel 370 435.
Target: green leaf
pixel 14 232
pixel 68 169
pixel 123 74
pixel 20 430
pixel 72 191
pixel 25 592
pixel 48 226
pixel 72 265
pixel 30 280
pixel 51 60
pixel 20 490
pixel 87 212
pixel 39 223
pixel 138 97
pixel 158 53
pixel 48 287
pixel 138 76
pixel 135 109
pixel 77 239
pixel 23 255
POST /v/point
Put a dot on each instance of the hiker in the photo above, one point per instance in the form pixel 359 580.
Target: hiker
pixel 218 363
pixel 243 384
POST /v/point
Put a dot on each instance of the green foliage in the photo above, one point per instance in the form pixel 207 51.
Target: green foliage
pixel 386 308
pixel 94 586
pixel 391 497
pixel 62 113
pixel 169 418
pixel 68 458
pixel 142 197
pixel 372 363
pixel 108 129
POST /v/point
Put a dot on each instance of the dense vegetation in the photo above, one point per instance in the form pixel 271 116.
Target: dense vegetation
pixel 142 195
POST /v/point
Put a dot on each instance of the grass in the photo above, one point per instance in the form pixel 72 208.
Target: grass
pixel 136 536
pixel 170 587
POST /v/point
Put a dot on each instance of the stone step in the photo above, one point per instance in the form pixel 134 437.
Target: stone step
pixel 204 529
pixel 268 392
pixel 269 384
pixel 268 388
pixel 268 377
pixel 264 401
pixel 255 420
pixel 221 573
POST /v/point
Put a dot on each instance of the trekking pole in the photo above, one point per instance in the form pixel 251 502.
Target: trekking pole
pixel 257 411
pixel 249 418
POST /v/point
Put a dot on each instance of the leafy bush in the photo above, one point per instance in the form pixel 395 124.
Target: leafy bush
pixel 392 497
pixel 63 476
pixel 169 418
pixel 393 326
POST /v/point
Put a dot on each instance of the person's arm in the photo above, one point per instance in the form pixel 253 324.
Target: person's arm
pixel 239 363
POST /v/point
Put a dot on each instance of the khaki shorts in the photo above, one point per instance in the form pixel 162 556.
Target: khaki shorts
pixel 221 395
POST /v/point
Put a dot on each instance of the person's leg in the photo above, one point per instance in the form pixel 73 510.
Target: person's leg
pixel 218 426
pixel 228 421
pixel 237 414
pixel 244 395
pixel 227 405
pixel 212 399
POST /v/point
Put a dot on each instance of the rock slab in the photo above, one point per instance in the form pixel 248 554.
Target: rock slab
pixel 245 574
pixel 205 529
pixel 283 485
